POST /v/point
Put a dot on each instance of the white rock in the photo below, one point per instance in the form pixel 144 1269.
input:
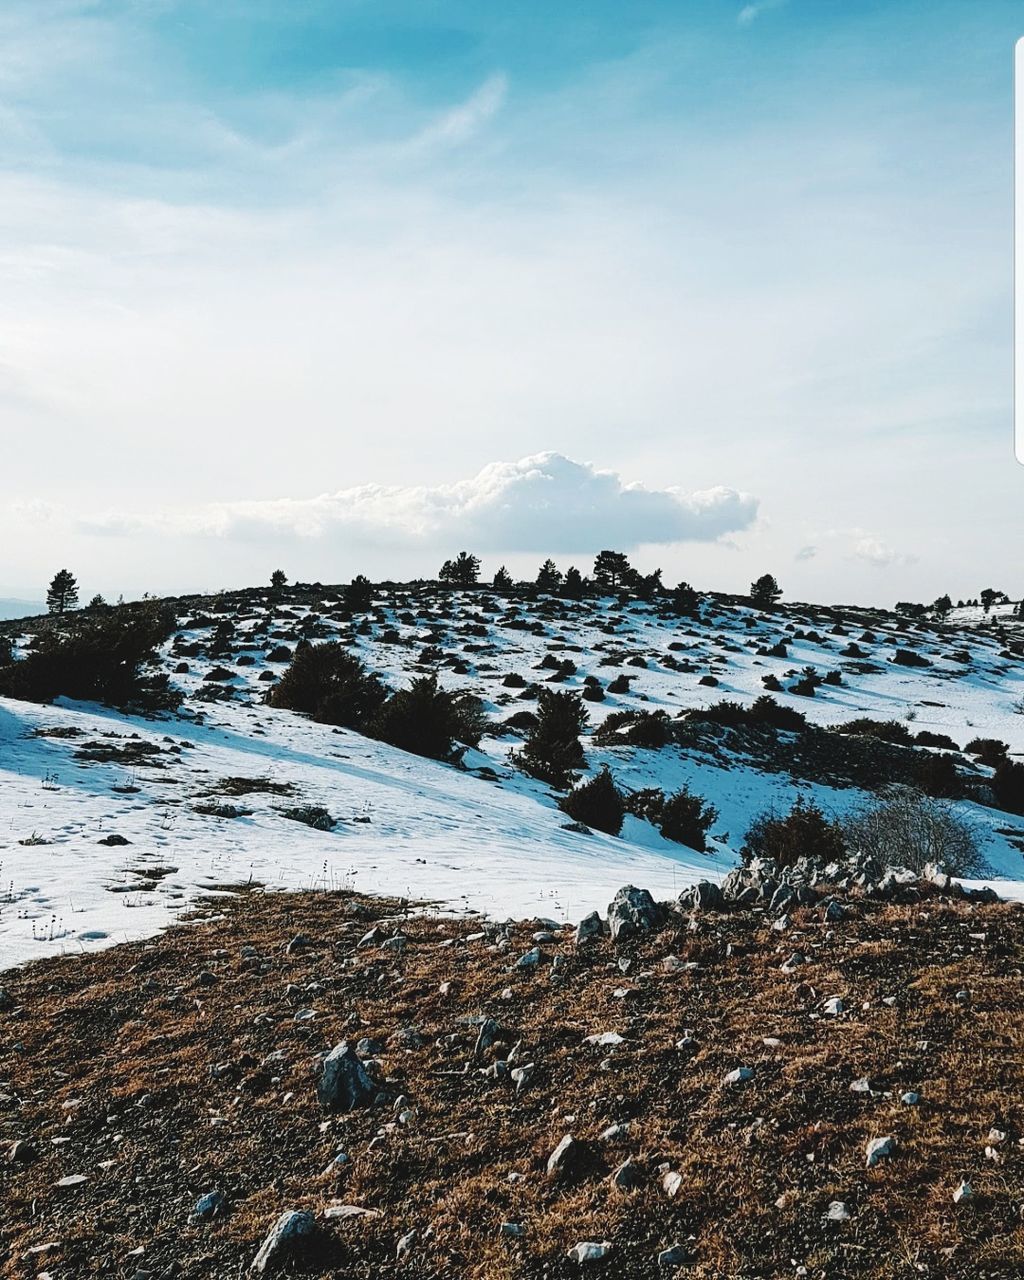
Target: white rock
pixel 833 1007
pixel 590 1251
pixel 740 1076
pixel 604 1039
pixel 671 1183
pixel 837 1212
pixel 962 1193
pixel 880 1149
pixel 291 1227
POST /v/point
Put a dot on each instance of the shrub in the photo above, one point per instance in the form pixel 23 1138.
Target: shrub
pixel 552 751
pixel 767 711
pixel 1008 784
pixel 894 731
pixel 928 739
pixel 686 818
pixel 907 829
pixel 106 657
pixel 637 728
pixel 990 751
pixel 597 802
pixel 429 720
pixel 648 803
pixel 936 775
pixel 330 684
pixel 908 658
pixel 804 832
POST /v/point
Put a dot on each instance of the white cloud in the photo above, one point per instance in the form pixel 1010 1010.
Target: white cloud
pixel 751 12
pixel 860 544
pixel 544 503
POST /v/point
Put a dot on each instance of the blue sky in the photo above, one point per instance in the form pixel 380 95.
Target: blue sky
pixel 303 281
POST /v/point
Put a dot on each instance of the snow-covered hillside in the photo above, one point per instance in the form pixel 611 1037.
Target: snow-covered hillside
pixel 111 825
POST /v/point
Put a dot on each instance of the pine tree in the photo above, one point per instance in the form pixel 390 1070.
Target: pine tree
pixel 765 592
pixel 685 601
pixel 573 585
pixel 463 571
pixel 278 579
pixel 942 605
pixel 502 580
pixel 358 595
pixel 549 578
pixel 63 592
pixel 612 570
pixel 552 751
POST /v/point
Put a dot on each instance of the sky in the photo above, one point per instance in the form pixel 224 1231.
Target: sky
pixel 343 287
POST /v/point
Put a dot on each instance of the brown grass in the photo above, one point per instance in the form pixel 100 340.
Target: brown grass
pixel 114 1051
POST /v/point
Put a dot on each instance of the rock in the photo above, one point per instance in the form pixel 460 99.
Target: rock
pixel 627 1177
pixel 793 963
pixel 344 1083
pixel 372 939
pixel 739 1076
pixel 531 960
pixel 833 1007
pixel 962 1193
pixel 833 913
pixel 604 1039
pixel 702 896
pixel 490 1032
pixel 671 1183
pixel 21 1152
pixel 588 928
pixel 113 840
pixel 335 1211
pixel 910 1098
pixel 405 1245
pixel 289 1236
pixel 837 1212
pixel 675 1256
pixel 521 1076
pixel 615 1131
pixel 633 911
pixel 299 943
pixel 514 1229
pixel 879 1149
pixel 209 1206
pixel 566 1157
pixel 589 1251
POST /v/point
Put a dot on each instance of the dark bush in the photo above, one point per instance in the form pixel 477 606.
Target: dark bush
pixel 597 802
pixel 804 832
pixel 894 731
pixel 686 818
pixel 106 657
pixel 552 752
pixel 990 751
pixel 936 775
pixel 928 739
pixel 909 658
pixel 330 684
pixel 1008 785
pixel 620 684
pixel 636 728
pixel 429 720
pixel 767 711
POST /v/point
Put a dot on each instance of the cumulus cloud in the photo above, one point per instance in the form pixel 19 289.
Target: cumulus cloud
pixel 860 544
pixel 543 503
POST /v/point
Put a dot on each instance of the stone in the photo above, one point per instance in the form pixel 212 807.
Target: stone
pixel 208 1206
pixel 565 1158
pixel 837 1212
pixel 910 1098
pixel 290 1234
pixel 21 1152
pixel 514 1229
pixel 627 1177
pixel 671 1183
pixel 879 1149
pixel 962 1193
pixel 633 911
pixel 676 1255
pixel 833 1007
pixel 490 1032
pixel 531 960
pixel 739 1076
pixel 344 1082
pixel 590 1251
pixel 588 928
pixel 521 1076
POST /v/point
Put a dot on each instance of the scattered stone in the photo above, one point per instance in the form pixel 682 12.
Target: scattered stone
pixel 631 912
pixel 566 1157
pixel 21 1152
pixel 588 928
pixel 209 1206
pixel 739 1076
pixel 288 1238
pixel 531 960
pixel 962 1193
pixel 590 1251
pixel 627 1177
pixel 344 1082
pixel 879 1149
pixel 675 1256
pixel 837 1212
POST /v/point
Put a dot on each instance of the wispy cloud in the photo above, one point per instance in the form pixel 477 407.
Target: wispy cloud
pixel 544 503
pixel 751 12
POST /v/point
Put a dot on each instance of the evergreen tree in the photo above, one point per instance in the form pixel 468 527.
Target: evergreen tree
pixel 573 585
pixel 612 570
pixel 765 592
pixel 552 751
pixel 463 571
pixel 685 601
pixel 647 586
pixel 598 803
pixel 278 579
pixel 991 596
pixel 942 606
pixel 63 592
pixel 358 595
pixel 549 577
pixel 502 580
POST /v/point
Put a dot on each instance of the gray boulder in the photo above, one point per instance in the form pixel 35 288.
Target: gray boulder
pixel 633 911
pixel 345 1084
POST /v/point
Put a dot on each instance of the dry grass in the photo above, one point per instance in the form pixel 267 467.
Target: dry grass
pixel 112 1055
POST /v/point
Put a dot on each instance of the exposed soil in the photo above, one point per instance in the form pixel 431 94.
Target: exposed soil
pixel 165 1070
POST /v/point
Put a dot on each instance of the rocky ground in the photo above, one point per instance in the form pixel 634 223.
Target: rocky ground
pixel 823 1082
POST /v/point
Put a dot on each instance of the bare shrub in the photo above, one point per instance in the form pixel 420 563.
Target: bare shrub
pixel 905 828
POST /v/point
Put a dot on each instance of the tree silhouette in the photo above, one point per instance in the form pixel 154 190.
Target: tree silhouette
pixel 63 592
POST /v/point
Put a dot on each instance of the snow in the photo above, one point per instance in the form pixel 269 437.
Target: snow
pixel 422 830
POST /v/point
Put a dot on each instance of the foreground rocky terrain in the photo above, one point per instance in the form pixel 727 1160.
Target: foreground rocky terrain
pixel 817 1074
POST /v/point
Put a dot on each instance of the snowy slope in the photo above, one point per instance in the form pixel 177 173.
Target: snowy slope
pixel 424 830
